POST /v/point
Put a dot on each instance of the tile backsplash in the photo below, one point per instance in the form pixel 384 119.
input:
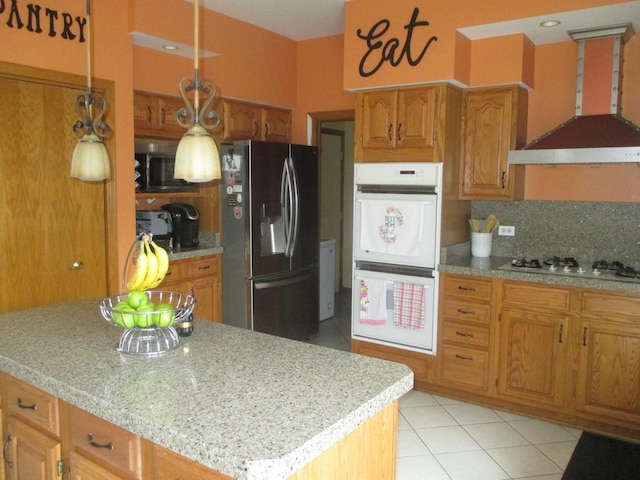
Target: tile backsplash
pixel 584 230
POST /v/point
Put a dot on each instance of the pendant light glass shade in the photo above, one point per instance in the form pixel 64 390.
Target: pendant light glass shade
pixel 90 161
pixel 197 157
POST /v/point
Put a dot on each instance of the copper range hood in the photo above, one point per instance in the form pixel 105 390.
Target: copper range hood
pixel 597 133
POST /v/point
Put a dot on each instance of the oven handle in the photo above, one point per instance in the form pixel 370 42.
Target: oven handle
pixel 397 269
pixel 407 189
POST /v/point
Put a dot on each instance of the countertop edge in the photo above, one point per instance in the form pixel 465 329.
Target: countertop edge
pixel 488 267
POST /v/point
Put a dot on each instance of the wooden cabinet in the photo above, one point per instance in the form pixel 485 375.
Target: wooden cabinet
pixel 156 115
pixel 32 446
pixel 101 443
pixel 534 325
pixel 493 122
pixel 244 120
pixel 201 277
pixel 398 124
pixel 171 466
pixel 609 356
pixel 81 468
pixel 465 332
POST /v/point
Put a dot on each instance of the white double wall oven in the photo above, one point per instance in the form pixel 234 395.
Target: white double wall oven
pixel 396 245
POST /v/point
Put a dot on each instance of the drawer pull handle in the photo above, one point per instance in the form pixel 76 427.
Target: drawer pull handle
pixel 560 333
pixel 584 337
pixel 204 267
pixel 108 446
pixel 4 452
pixel 463 357
pixel 33 407
pixel 466 289
pixel 462 334
pixel 466 312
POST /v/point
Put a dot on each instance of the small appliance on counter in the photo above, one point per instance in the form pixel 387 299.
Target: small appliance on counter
pixel 155 222
pixel 185 223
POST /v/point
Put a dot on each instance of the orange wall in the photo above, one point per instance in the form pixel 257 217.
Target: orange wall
pixel 550 70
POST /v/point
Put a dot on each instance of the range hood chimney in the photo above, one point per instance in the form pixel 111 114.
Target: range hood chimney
pixel 598 133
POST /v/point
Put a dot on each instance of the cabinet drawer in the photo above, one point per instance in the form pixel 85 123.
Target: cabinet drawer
pixel 32 404
pixel 471 335
pixel 531 295
pixel 468 287
pixel 177 272
pixel 100 439
pixel 466 311
pixel 611 303
pixel 206 266
pixel 465 367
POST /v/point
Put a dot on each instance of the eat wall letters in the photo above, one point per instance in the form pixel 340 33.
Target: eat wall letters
pixel 40 19
pixel 378 51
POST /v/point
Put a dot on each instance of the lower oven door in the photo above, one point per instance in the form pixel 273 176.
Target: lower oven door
pixel 395 309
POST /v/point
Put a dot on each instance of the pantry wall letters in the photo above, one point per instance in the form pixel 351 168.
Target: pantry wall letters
pixel 38 19
pixel 380 51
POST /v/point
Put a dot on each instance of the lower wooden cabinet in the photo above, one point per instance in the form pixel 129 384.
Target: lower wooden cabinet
pixel 171 466
pixel 201 277
pixel 568 354
pixel 30 454
pixel 81 468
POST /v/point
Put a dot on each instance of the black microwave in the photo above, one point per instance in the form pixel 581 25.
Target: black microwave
pixel 154 174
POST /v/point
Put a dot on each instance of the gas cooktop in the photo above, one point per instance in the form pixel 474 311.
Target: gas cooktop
pixel 569 266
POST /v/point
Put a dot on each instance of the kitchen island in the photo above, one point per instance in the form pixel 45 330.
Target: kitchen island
pixel 246 404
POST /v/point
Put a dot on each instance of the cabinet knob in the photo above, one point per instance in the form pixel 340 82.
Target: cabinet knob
pixel 77 265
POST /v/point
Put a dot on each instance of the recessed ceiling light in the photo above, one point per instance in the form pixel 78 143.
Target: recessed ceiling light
pixel 550 23
pixel 170 47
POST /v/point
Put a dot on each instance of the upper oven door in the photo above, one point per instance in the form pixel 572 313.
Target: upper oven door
pixel 396 228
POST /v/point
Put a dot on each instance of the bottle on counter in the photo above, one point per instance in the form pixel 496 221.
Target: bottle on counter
pixel 185 328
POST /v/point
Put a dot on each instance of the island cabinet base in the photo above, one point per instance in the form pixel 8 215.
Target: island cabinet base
pixel 367 452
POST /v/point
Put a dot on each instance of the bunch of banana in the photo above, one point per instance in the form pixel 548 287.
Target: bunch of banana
pixel 151 265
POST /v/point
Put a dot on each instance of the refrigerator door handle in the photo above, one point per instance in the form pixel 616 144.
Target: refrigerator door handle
pixel 286 199
pixel 296 206
pixel 280 283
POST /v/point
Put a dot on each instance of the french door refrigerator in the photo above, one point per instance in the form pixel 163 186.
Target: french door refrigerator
pixel 269 208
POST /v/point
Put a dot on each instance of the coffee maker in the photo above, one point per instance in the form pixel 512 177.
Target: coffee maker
pixel 185 221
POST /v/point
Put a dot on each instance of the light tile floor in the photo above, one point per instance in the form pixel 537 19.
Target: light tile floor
pixel 445 439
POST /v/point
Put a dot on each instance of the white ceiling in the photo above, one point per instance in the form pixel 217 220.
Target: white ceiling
pixel 307 19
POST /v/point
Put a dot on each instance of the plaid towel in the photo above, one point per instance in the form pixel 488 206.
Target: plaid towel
pixel 408 305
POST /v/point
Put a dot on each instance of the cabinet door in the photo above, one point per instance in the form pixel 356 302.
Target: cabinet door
pixel 171 466
pixel 144 111
pixel 84 469
pixel 205 291
pixel 29 454
pixel 168 108
pixel 241 121
pixel 416 118
pixel 379 119
pixel 276 125
pixel 532 356
pixel 609 370
pixel 491 123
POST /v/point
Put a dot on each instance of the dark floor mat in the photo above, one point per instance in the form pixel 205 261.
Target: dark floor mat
pixel 601 458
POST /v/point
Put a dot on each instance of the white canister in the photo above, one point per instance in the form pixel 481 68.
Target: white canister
pixel 481 244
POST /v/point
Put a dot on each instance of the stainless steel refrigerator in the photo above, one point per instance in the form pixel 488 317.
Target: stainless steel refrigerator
pixel 269 207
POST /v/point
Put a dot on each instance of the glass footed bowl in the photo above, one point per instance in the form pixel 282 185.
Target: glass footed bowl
pixel 147 338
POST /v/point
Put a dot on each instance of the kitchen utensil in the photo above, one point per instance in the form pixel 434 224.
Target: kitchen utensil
pixel 490 224
pixel 475 224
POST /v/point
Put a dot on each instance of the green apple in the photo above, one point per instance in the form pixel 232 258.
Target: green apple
pixel 136 298
pixel 165 315
pixel 122 314
pixel 144 319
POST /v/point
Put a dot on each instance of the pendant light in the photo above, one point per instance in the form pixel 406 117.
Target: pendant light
pixel 90 161
pixel 197 157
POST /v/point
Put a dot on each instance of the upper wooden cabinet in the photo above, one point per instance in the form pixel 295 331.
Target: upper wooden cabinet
pixel 244 120
pixel 156 115
pixel 493 122
pixel 404 124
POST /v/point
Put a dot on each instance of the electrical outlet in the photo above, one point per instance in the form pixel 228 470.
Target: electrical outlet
pixel 507 231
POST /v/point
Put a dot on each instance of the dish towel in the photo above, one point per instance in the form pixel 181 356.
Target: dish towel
pixel 373 301
pixel 393 227
pixel 408 305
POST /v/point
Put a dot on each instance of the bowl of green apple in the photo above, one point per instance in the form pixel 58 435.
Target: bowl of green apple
pixel 148 319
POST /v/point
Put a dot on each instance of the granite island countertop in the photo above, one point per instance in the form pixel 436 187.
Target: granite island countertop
pixel 247 404
pixel 489 267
